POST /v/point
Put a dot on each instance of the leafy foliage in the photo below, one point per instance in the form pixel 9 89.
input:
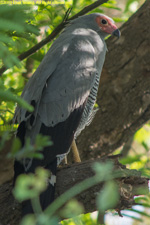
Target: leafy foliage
pixel 16 29
pixel 28 150
pixel 7 95
pixel 14 23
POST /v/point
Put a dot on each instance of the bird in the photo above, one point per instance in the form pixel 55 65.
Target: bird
pixel 63 92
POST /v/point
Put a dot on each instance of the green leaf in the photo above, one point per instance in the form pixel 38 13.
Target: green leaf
pixel 71 209
pixel 108 197
pixel 6 39
pixel 74 3
pixel 132 217
pixel 129 2
pixel 16 146
pixel 31 185
pixel 12 9
pixel 15 20
pixel 145 145
pixel 44 219
pixel 6 25
pixel 139 212
pixel 29 219
pixel 42 141
pixel 32 29
pixel 29 150
pixel 130 159
pixel 118 19
pixel 108 5
pixel 9 96
pixel 104 170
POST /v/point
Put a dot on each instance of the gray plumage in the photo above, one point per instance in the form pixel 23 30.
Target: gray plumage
pixel 63 91
pixel 66 75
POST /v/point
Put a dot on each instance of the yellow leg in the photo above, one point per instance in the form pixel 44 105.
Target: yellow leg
pixel 75 152
pixel 65 160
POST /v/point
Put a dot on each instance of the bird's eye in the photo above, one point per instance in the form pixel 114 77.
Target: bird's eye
pixel 104 21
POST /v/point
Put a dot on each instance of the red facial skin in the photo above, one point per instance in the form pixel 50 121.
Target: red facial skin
pixel 109 27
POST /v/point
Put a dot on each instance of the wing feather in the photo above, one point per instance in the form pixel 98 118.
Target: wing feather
pixel 69 85
pixel 65 86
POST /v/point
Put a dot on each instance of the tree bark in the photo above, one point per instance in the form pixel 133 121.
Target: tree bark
pixel 124 93
pixel 128 185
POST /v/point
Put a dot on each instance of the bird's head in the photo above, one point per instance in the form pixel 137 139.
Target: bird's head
pixel 107 25
pixel 99 22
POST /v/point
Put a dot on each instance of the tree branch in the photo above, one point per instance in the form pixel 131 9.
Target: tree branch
pixel 129 185
pixel 55 32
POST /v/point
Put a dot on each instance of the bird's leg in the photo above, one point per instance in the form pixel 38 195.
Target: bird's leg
pixel 76 155
pixel 65 160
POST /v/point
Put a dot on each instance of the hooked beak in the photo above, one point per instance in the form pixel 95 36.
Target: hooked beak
pixel 116 33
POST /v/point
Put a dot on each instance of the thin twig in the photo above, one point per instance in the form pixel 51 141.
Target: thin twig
pixel 55 32
pixel 67 14
pixel 88 8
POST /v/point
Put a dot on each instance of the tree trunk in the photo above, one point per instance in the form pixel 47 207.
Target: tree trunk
pixel 124 93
